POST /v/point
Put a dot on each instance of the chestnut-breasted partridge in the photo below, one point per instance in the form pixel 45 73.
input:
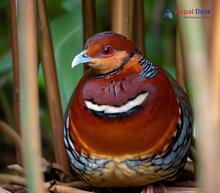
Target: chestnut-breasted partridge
pixel 128 122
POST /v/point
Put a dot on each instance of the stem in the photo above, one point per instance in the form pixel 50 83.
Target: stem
pixel 215 66
pixel 15 62
pixel 208 23
pixel 180 73
pixel 89 20
pixel 197 70
pixel 53 95
pixel 64 189
pixel 139 26
pixel 29 94
pixel 13 179
pixel 131 20
pixel 215 60
pixel 6 107
pixel 13 135
pixel 122 17
pixel 3 190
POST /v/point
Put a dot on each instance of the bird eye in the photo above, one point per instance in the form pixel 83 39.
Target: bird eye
pixel 107 51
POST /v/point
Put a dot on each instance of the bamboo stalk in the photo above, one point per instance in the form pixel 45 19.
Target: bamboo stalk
pixel 180 73
pixel 197 69
pixel 215 51
pixel 50 75
pixel 215 67
pixel 89 20
pixel 208 23
pixel 139 22
pixel 122 17
pixel 29 94
pixel 109 13
pixel 15 62
pixel 131 20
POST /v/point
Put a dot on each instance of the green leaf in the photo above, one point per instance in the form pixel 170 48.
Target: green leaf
pixel 70 5
pixel 68 41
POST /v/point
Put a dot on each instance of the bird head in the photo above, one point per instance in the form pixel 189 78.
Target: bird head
pixel 105 52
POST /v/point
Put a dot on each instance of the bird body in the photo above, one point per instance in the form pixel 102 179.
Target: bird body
pixel 128 122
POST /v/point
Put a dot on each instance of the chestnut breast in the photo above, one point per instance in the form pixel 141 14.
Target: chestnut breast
pixel 147 130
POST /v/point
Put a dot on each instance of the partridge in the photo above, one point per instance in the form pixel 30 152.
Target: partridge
pixel 128 122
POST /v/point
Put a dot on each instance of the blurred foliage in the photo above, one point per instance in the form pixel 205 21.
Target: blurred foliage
pixel 66 26
pixel 67 38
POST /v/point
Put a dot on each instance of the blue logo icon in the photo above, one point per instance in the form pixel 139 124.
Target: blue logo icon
pixel 167 14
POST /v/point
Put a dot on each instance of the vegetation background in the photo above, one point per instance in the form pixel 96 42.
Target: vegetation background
pixel 65 18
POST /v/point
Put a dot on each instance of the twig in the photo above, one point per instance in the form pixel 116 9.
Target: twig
pixel 63 189
pixel 53 96
pixel 29 94
pixel 52 186
pixel 190 184
pixel 13 135
pixel 3 190
pixel 16 168
pixel 74 184
pixel 13 179
pixel 163 189
pixel 6 107
pixel 15 61
pixel 80 185
pixel 176 190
